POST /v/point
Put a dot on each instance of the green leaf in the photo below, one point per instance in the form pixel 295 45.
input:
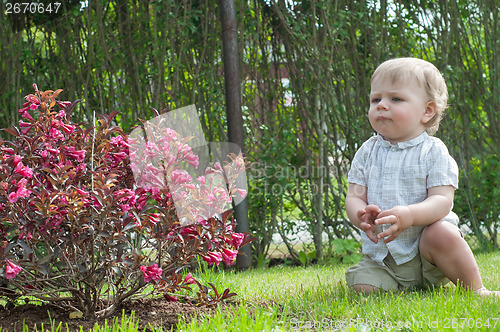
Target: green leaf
pixel 302 257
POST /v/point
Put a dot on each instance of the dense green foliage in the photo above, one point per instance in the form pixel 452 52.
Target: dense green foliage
pixel 306 67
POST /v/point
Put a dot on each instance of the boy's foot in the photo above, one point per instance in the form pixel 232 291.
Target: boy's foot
pixel 483 292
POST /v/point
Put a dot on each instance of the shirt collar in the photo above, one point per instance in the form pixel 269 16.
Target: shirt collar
pixel 403 145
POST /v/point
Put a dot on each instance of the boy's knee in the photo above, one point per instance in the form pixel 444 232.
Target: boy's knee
pixel 440 236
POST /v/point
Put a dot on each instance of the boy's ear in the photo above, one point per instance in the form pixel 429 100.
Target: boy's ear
pixel 430 111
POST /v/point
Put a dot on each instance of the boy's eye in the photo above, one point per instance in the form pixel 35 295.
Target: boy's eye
pixel 397 99
pixel 375 100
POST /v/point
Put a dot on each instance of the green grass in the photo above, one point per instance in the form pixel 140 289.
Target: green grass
pixel 123 324
pixel 316 298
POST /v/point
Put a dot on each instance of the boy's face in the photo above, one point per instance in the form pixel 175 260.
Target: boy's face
pixel 399 111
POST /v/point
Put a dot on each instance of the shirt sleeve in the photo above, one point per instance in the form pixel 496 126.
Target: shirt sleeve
pixel 442 169
pixel 357 173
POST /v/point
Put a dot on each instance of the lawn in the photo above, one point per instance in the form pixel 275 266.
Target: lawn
pixel 315 298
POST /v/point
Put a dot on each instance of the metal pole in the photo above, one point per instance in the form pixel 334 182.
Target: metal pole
pixel 233 109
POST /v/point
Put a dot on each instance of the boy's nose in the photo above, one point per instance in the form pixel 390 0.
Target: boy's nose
pixel 382 105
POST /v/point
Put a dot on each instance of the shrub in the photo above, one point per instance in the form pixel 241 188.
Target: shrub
pixel 481 187
pixel 78 232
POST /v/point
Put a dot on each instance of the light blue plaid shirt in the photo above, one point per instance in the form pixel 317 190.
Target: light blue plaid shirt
pixel 400 175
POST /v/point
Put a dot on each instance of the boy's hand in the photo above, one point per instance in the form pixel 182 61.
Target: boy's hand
pixel 367 216
pixel 401 219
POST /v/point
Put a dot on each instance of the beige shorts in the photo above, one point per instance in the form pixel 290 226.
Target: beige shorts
pixel 392 277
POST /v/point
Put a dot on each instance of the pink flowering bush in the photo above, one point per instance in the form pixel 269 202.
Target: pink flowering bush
pixel 79 231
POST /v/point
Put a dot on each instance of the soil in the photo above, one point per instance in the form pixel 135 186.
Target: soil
pixel 154 311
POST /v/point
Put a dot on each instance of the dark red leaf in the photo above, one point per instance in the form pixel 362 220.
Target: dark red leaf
pixel 12 131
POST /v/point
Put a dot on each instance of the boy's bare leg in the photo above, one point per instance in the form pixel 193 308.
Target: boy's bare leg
pixel 364 289
pixel 442 245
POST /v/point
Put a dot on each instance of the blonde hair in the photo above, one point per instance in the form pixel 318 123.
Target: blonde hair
pixel 426 75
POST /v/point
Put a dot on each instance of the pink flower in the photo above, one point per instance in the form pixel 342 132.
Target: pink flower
pixel 81 167
pixel 24 110
pixel 118 141
pixel 142 200
pixel 22 234
pixel 23 192
pixel 31 99
pixel 152 272
pixel 63 105
pixel 8 150
pixel 213 258
pixel 202 180
pixel 23 170
pixel 84 197
pixel 23 124
pixel 17 159
pixel 61 114
pixel 152 150
pixel 55 134
pixel 20 192
pixel 180 176
pixel 126 197
pixel 242 192
pixel 13 197
pixel 25 130
pixel 165 145
pixel 237 239
pixel 172 134
pixel 119 156
pixel 67 128
pixel 228 256
pixel 50 149
pixel 189 279
pixel 11 269
pixel 188 155
pixel 187 231
pixel 79 155
pixel 218 195
pixel 27 116
pixel 189 186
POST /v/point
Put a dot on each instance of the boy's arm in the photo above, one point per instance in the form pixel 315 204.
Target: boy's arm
pixel 359 212
pixel 437 205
